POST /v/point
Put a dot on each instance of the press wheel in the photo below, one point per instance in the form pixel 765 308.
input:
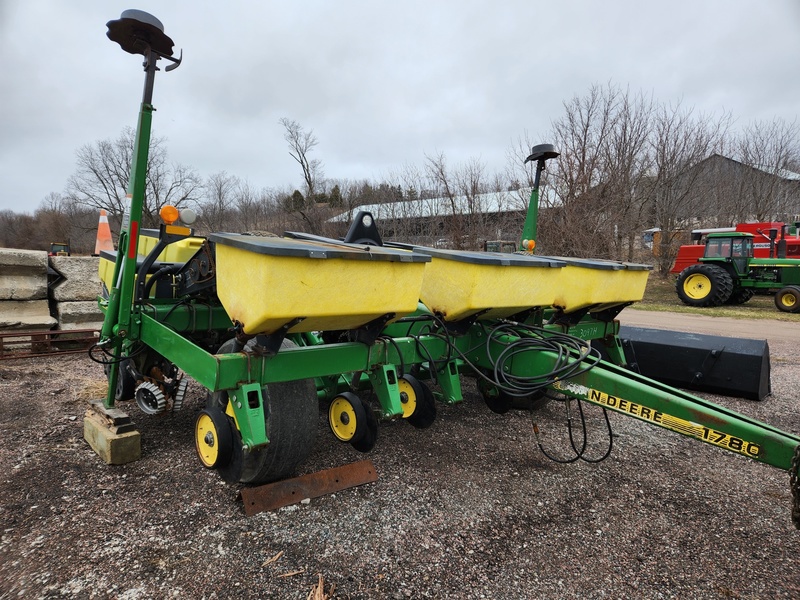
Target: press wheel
pixel 367 441
pixel 424 413
pixel 213 438
pixel 347 417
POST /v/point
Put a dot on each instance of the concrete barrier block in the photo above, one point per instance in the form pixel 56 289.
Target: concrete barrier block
pixel 23 274
pixel 81 280
pixel 79 315
pixel 27 314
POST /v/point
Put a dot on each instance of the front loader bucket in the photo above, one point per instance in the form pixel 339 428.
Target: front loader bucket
pixel 704 363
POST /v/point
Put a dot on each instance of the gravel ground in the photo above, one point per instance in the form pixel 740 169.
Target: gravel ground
pixel 469 508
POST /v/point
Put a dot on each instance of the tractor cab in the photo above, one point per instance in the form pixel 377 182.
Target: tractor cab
pixel 59 249
pixel 734 249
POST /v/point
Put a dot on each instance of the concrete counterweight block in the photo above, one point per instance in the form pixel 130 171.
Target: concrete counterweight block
pixel 25 315
pixel 79 315
pixel 79 281
pixel 23 274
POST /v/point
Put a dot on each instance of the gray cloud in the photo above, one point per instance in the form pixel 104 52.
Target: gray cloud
pixel 381 84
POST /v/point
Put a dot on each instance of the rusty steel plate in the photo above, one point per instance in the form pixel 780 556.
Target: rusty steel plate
pixel 291 491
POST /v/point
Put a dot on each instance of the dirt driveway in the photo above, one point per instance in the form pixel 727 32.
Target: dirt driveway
pixel 469 508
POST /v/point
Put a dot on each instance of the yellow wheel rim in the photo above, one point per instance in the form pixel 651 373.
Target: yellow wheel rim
pixel 697 286
pixel 207 441
pixel 342 418
pixel 788 300
pixel 408 399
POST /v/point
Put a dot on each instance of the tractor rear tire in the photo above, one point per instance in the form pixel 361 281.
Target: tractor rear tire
pixel 788 299
pixel 291 411
pixel 704 285
pixel 740 296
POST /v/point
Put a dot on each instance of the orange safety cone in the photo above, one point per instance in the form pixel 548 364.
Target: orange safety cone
pixel 103 235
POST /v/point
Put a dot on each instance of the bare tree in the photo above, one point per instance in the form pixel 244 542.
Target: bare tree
pixel 216 205
pixel 580 219
pixel 771 149
pixel 103 173
pixel 680 140
pixel 301 143
pixel 627 163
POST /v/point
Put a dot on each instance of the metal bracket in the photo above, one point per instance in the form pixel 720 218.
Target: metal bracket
pixel 248 406
pixel 269 345
pixel 384 382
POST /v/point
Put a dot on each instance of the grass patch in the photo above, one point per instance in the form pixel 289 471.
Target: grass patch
pixel 660 296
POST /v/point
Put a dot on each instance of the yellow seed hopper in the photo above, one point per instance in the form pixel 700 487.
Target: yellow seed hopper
pixel 178 252
pixel 460 284
pixel 267 282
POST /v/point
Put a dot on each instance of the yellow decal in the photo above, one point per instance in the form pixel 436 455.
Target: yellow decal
pixel 712 436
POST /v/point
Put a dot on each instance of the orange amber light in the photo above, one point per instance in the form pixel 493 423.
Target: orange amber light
pixel 169 214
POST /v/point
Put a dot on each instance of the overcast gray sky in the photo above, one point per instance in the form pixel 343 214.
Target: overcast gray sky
pixel 380 83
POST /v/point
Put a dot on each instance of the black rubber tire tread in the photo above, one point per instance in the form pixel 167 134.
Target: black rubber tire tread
pixel 292 412
pixel 425 413
pixel 721 285
pixel 495 399
pixel 740 295
pixel 367 441
pixel 533 402
pixel 126 385
pixel 500 403
pixel 783 292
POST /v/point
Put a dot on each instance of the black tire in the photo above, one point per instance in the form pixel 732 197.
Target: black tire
pixel 788 299
pixel 367 441
pixel 126 384
pixel 704 285
pixel 533 402
pixel 740 295
pixel 425 413
pixel 498 401
pixel 291 411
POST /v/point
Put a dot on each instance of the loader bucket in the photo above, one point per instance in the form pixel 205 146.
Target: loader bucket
pixel 705 363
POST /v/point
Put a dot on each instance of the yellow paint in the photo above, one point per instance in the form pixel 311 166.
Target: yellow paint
pixel 459 289
pixel 582 286
pixel 178 252
pixel 264 292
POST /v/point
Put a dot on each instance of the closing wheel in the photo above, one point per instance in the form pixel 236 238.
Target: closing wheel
pixel 150 398
pixel 291 413
pixel 213 438
pixel 367 441
pixel 704 285
pixel 410 390
pixel 417 401
pixel 496 399
pixel 788 299
pixel 425 412
pixel 347 417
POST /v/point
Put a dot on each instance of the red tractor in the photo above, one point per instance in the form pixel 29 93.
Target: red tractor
pixel 772 239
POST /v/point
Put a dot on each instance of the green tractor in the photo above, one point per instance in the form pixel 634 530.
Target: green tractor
pixel 728 274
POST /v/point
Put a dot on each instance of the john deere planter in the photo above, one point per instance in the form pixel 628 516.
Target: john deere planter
pixel 277 328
